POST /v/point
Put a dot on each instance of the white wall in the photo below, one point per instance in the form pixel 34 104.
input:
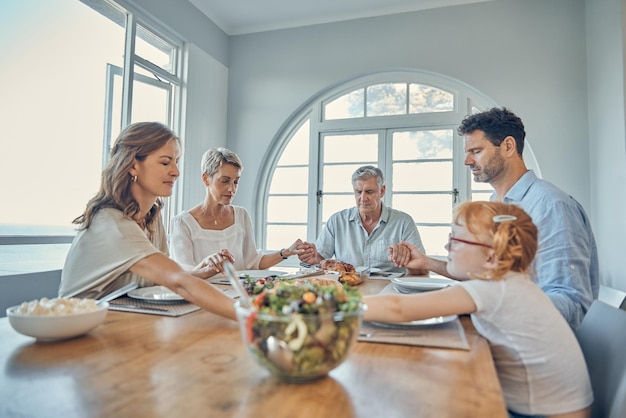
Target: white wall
pixel 607 151
pixel 205 120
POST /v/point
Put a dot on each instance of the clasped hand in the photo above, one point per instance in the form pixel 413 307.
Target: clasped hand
pixel 307 252
pixel 403 254
pixel 215 261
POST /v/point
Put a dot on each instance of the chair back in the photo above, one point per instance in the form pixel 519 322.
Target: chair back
pixel 602 338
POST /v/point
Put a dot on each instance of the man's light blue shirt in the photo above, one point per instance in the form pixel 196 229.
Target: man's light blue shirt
pixel 566 266
pixel 345 237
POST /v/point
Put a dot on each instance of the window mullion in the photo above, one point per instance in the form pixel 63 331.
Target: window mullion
pixel 129 70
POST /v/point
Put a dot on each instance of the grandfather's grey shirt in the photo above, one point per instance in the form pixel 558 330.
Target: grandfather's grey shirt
pixel 566 266
pixel 345 237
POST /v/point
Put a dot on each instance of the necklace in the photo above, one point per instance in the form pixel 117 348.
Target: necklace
pixel 206 214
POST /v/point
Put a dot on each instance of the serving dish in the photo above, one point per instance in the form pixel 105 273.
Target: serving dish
pixel 56 327
pixel 299 331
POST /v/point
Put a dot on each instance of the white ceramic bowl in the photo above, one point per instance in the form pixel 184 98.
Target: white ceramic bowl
pixel 56 327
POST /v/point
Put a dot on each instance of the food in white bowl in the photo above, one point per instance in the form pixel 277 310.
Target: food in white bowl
pixel 300 330
pixel 58 318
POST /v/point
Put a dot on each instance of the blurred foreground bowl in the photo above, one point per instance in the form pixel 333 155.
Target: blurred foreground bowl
pixel 299 347
pixel 56 327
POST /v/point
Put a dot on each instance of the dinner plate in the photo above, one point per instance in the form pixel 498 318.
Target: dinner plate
pixel 259 274
pixel 423 283
pixel 159 294
pixel 422 322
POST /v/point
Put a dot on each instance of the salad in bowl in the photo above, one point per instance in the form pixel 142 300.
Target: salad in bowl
pixel 299 330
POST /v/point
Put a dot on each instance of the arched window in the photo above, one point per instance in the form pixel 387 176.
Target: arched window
pixel 403 122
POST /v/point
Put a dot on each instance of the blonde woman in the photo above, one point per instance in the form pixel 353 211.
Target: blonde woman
pixel 539 363
pixel 121 238
pixel 216 230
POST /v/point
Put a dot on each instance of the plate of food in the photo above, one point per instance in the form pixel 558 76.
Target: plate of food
pixel 419 323
pixel 347 272
pixel 421 284
pixel 158 294
pixel 251 275
pixel 259 274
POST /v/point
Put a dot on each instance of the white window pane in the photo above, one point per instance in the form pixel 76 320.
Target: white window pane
pixel 425 208
pixel 434 239
pixel 414 145
pixel 424 99
pixel 15 259
pixel 154 49
pixel 290 180
pixel 351 148
pixel 348 106
pixel 63 110
pixel 297 151
pixel 481 196
pixel 425 176
pixel 282 236
pixel 386 99
pixel 335 203
pixel 150 103
pixel 480 186
pixel 338 178
pixel 287 209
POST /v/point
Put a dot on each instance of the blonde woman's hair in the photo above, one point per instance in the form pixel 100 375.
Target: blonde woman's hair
pixel 213 159
pixel 507 228
pixel 135 142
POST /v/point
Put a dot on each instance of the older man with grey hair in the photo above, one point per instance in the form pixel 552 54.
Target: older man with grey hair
pixel 368 234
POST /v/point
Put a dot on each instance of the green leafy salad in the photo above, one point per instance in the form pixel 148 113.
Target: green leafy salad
pixel 316 321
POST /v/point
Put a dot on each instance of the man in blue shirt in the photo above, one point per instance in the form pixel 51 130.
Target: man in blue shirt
pixel 566 264
pixel 369 234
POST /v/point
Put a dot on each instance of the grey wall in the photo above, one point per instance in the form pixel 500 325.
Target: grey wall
pixel 527 55
pixel 605 23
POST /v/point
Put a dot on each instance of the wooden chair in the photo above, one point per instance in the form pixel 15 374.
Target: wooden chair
pixel 602 338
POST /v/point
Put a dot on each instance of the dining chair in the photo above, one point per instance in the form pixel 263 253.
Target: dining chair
pixel 18 288
pixel 602 338
pixel 612 296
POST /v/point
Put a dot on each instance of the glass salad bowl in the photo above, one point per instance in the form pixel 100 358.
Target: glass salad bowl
pixel 300 330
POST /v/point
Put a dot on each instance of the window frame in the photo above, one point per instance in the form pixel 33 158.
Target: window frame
pixel 133 18
pixel 466 99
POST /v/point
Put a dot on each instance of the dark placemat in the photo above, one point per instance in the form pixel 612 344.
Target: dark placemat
pixel 128 304
pixel 446 335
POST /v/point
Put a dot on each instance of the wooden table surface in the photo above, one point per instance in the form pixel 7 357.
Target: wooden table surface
pixel 140 365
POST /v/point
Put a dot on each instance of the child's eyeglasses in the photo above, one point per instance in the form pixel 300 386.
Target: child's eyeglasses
pixel 452 239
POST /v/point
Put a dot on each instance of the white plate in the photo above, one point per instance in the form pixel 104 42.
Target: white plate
pixel 158 294
pixel 422 322
pixel 259 274
pixel 423 283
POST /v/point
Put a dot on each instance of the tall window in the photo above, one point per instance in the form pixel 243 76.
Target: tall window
pixel 402 122
pixel 75 73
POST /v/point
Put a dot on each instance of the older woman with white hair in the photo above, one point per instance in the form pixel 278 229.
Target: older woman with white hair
pixel 216 230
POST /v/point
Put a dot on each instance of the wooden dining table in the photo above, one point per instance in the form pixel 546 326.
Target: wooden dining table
pixel 142 365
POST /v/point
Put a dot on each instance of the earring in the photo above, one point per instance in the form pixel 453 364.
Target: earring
pixel 133 178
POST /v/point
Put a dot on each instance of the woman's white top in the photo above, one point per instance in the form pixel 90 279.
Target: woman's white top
pixel 190 243
pixel 100 256
pixel 539 362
